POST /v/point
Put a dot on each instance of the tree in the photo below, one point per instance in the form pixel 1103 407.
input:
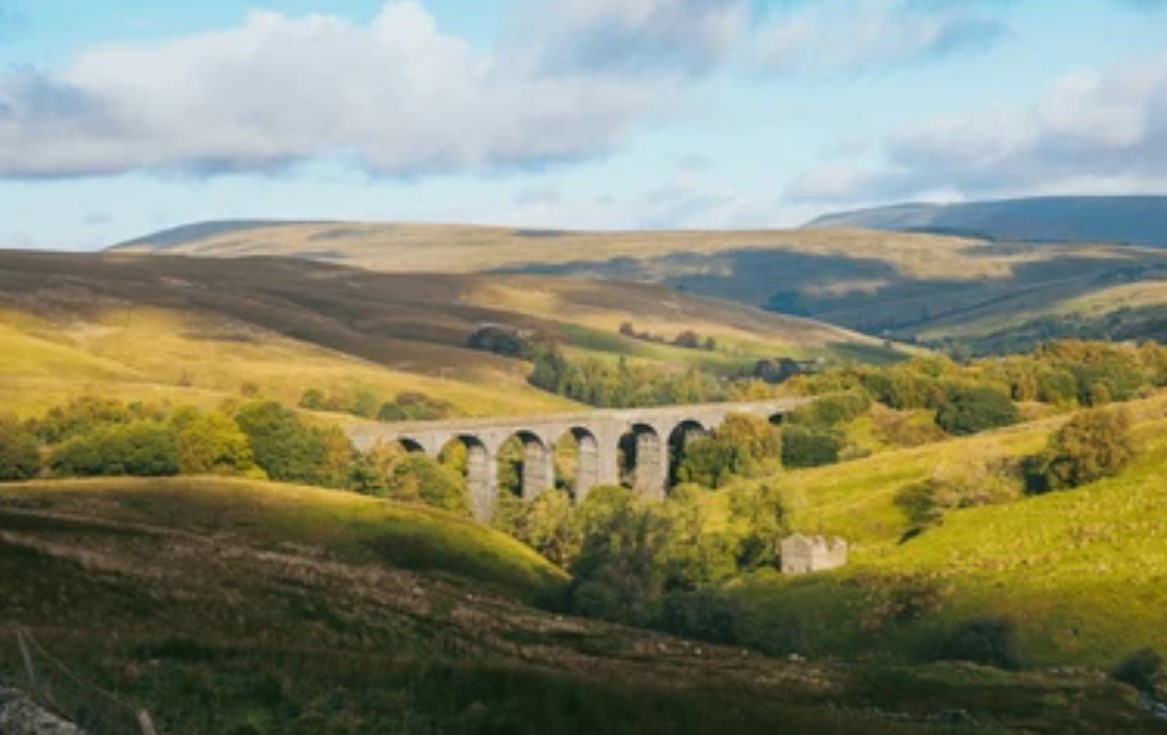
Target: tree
pixel 974 409
pixel 693 555
pixel 142 448
pixel 806 447
pixel 19 452
pixel 761 510
pixel 418 478
pixel 79 416
pixel 617 572
pixel 1092 445
pixel 547 525
pixel 286 449
pixel 213 443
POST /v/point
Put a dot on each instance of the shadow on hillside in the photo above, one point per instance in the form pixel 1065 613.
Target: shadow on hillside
pixel 871 295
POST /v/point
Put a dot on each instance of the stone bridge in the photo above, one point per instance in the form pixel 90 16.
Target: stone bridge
pixel 648 439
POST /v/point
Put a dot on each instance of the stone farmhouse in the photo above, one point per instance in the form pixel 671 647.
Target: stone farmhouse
pixel 805 554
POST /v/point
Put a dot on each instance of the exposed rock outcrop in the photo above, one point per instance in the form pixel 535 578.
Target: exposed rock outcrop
pixel 20 715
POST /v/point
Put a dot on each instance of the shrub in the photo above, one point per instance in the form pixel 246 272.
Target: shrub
pixel 702 614
pixel 19 452
pixel 988 641
pixel 761 508
pixel 806 447
pixel 80 416
pixel 545 524
pixel 975 409
pixel 284 447
pixel 142 448
pixel 214 443
pixel 1092 445
pixel 899 598
pixel 1140 669
pixel 500 341
pixel 832 409
pixel 919 503
pixel 419 478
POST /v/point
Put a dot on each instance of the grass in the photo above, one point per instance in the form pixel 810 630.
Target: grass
pixel 352 527
pixel 183 357
pixel 905 284
pixel 238 607
pixel 202 331
pixel 1082 572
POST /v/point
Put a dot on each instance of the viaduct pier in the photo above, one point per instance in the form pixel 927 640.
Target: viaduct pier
pixel 648 439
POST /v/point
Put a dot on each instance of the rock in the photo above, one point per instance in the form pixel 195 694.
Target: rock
pixel 19 715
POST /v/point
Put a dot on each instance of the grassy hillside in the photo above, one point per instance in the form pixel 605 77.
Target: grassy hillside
pixel 200 330
pixel 1134 220
pixel 1081 572
pixel 232 607
pixel 905 284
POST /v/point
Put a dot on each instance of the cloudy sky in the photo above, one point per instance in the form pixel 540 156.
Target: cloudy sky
pixel 121 117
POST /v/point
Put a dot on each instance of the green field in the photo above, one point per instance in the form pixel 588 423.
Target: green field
pixel 1081 572
pixel 226 606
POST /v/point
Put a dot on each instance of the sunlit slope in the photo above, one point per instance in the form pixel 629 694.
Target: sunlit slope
pixel 908 283
pixel 209 328
pixel 340 525
pixel 179 356
pixel 230 606
pixel 1082 571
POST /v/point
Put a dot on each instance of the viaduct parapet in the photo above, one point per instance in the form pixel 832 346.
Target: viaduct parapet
pixel 649 438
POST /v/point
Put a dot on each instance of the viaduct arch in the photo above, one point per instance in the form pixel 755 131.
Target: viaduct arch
pixel 650 437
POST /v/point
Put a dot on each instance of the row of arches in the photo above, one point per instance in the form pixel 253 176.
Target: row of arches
pixel 525 463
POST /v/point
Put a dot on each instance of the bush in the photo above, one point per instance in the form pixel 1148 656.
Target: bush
pixel 143 448
pixel 988 641
pixel 832 409
pixel 501 341
pixel 806 447
pixel 284 447
pixel 761 508
pixel 975 409
pixel 419 478
pixel 1141 669
pixel 899 598
pixel 19 452
pixel 1092 445
pixel 546 525
pixel 919 503
pixel 703 614
pixel 214 443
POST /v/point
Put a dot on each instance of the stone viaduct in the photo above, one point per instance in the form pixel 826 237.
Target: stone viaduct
pixel 649 438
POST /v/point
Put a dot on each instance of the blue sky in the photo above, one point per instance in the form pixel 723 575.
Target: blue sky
pixel 118 118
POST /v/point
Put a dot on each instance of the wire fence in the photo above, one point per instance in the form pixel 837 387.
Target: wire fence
pixel 59 689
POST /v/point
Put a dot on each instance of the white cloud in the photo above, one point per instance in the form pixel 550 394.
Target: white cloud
pixel 1090 132
pixel 398 96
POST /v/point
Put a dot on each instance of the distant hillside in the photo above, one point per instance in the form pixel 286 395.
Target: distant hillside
pixel 905 285
pixel 1126 220
pixel 199 330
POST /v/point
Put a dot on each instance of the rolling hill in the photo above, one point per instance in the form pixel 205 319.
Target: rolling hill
pixel 1079 572
pixel 241 607
pixel 905 285
pixel 1127 220
pixel 201 330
